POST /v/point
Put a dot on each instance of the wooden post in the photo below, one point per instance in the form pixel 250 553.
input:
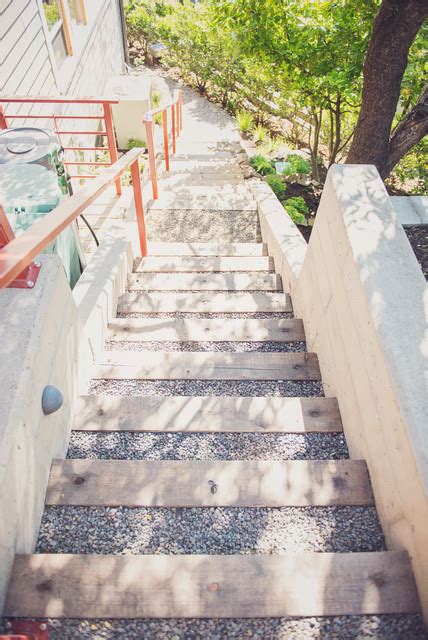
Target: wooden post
pixel 174 146
pixel 152 159
pixel 139 207
pixel 165 137
pixel 111 139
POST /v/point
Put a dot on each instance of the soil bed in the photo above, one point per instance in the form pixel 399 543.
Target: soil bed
pixel 418 238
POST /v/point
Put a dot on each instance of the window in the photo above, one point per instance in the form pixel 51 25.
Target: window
pixel 64 17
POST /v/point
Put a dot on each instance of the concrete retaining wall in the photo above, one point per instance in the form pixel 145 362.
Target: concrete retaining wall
pixel 362 297
pixel 48 335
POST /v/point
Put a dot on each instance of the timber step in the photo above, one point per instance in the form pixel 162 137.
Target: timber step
pixel 202 483
pixel 234 586
pixel 164 365
pixel 206 302
pixel 207 414
pixel 207 249
pixel 204 264
pixel 199 330
pixel 250 281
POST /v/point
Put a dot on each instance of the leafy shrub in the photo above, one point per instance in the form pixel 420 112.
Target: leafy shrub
pixel 52 14
pixel 262 165
pixel 296 209
pixel 277 185
pixel 245 121
pixel 156 103
pixel 135 142
pixel 297 165
pixel 298 203
pixel 260 134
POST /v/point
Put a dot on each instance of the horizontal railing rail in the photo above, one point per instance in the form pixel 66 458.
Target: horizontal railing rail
pixel 105 116
pixel 19 252
pixel 176 109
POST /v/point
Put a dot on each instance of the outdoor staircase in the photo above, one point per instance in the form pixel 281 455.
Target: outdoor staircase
pixel 205 370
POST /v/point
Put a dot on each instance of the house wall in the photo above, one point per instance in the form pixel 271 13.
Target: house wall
pixel 28 63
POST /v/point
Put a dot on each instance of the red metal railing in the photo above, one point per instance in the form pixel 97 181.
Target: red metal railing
pixel 19 252
pixel 175 107
pixel 105 116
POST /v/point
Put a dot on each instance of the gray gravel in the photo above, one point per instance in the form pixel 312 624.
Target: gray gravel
pixel 203 225
pixel 204 346
pixel 256 315
pixel 383 627
pixel 206 446
pixel 210 530
pixel 205 388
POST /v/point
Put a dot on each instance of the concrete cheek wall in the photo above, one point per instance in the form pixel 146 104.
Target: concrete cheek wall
pixel 40 338
pixel 363 299
pixel 361 294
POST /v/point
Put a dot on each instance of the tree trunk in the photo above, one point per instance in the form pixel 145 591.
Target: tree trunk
pixel 394 29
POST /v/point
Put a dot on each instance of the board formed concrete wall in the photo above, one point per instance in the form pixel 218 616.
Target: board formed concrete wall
pixel 363 298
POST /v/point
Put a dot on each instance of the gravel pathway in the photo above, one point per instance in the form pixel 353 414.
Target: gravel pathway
pixel 237 347
pixel 210 530
pixel 205 388
pixel 383 627
pixel 207 446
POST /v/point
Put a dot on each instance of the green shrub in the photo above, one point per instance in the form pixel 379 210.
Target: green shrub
pixel 260 134
pixel 297 203
pixel 296 209
pixel 262 165
pixel 297 165
pixel 52 14
pixel 277 185
pixel 245 121
pixel 135 142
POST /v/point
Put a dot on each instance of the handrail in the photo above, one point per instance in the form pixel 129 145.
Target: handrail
pixel 176 107
pixel 105 116
pixel 57 100
pixel 18 254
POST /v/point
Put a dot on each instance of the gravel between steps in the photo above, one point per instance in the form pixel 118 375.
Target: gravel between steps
pixel 256 315
pixel 236 347
pixel 382 627
pixel 206 446
pixel 286 388
pixel 210 530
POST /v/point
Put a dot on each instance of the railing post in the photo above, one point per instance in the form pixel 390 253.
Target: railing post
pixel 3 121
pixel 180 102
pixel 174 134
pixel 139 207
pixel 165 137
pixel 152 159
pixel 111 139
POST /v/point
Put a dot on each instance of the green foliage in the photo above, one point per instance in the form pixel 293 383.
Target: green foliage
pixel 277 185
pixel 412 169
pixel 260 134
pixel 135 142
pixel 262 165
pixel 297 203
pixel 297 165
pixel 296 209
pixel 51 11
pixel 245 121
pixel 156 98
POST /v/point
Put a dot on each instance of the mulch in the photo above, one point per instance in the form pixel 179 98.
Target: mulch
pixel 418 238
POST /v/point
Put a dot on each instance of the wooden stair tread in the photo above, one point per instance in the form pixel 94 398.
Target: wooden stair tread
pixel 205 302
pixel 196 586
pixel 189 483
pixel 200 329
pixel 209 413
pixel 204 263
pixel 207 249
pixel 164 365
pixel 250 281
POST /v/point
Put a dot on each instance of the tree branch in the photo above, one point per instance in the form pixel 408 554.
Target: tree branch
pixel 409 131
